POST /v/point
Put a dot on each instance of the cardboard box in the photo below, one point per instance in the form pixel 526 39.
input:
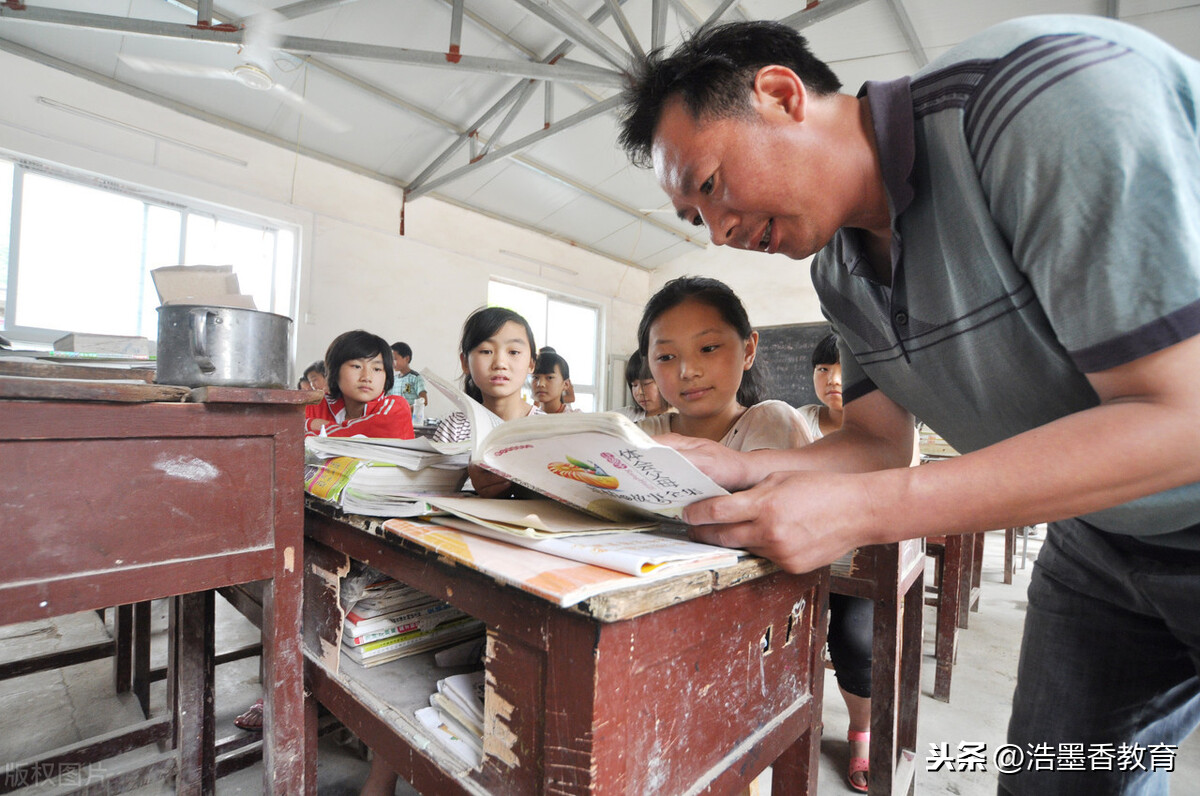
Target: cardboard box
pixel 85 343
pixel 205 285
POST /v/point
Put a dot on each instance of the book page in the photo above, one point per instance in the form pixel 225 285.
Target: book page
pixel 555 579
pixel 533 517
pixel 644 554
pixel 601 463
pixel 482 421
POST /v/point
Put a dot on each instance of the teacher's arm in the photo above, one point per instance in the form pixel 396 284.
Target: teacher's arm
pixel 1140 439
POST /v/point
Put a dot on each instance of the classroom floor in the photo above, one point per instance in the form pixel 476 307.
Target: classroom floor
pixel 49 709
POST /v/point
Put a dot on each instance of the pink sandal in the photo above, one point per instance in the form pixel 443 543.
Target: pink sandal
pixel 252 719
pixel 859 764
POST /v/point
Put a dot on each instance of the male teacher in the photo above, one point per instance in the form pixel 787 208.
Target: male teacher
pixel 1008 245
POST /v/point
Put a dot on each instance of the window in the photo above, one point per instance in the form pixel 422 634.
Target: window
pixel 568 325
pixel 76 253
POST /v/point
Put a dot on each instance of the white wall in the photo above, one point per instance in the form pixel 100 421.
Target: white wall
pixel 775 289
pixel 356 270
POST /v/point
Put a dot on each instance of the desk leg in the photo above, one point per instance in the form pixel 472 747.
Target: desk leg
pixel 191 699
pixel 122 648
pixel 912 620
pixel 949 592
pixel 283 688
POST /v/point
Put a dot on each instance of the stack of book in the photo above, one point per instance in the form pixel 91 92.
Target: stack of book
pixel 393 621
pixel 455 715
pixel 380 477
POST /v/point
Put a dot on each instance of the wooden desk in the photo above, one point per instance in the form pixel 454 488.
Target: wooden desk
pixel 689 685
pixel 110 501
pixel 893 577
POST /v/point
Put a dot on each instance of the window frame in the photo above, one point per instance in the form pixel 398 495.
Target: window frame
pixel 596 390
pixel 187 207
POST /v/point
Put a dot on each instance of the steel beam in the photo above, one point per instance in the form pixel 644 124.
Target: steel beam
pixel 910 33
pixel 520 102
pixel 571 72
pixel 635 47
pixel 575 27
pixel 521 143
pixel 719 12
pixel 658 23
pixel 303 8
pixel 813 14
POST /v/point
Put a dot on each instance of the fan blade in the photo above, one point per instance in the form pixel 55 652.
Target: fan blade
pixel 310 109
pixel 161 67
pixel 261 36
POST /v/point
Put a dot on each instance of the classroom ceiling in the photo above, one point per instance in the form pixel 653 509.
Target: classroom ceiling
pixel 501 106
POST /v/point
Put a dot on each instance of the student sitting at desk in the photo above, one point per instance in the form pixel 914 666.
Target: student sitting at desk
pixel 552 383
pixel 697 338
pixel 496 354
pixel 356 404
pixel 851 619
pixel 316 376
pixel 647 400
pixel 409 383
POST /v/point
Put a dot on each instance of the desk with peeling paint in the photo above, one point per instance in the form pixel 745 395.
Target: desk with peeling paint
pixel 689 685
pixel 113 496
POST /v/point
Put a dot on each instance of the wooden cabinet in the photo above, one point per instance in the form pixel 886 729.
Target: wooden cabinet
pixel 116 500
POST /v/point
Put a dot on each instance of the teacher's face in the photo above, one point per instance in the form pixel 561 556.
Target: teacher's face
pixel 748 179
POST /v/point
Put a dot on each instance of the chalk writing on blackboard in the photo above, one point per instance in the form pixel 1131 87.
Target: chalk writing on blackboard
pixel 786 353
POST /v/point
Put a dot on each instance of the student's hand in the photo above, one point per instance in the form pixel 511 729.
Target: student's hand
pixel 487 484
pixel 314 425
pixel 727 467
pixel 799 520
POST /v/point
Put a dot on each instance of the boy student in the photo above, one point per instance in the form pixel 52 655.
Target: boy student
pixel 409 383
pixel 1007 246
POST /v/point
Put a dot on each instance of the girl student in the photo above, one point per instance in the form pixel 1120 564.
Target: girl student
pixel 552 388
pixel 647 400
pixel 359 365
pixel 851 619
pixel 698 342
pixel 496 353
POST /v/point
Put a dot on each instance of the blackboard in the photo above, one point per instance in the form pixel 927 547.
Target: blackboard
pixel 786 353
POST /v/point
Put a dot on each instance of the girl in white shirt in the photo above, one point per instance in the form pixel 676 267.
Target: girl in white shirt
pixel 700 347
pixel 851 619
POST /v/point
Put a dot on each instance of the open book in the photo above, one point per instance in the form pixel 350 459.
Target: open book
pixel 601 463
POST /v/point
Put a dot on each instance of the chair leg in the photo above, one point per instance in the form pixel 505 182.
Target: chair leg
pixel 1010 552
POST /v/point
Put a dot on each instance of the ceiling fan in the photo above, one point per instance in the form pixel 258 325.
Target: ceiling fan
pixel 257 54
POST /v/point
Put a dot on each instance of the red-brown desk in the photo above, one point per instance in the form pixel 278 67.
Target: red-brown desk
pixel 693 684
pixel 112 496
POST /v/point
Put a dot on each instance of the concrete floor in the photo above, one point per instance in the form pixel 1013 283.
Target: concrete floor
pixel 49 709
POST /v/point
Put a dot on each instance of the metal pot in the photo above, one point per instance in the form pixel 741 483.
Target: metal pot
pixel 202 346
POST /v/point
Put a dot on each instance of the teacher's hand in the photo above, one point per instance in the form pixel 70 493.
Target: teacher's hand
pixel 727 467
pixel 487 484
pixel 799 520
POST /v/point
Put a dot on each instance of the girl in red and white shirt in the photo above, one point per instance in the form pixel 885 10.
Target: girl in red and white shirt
pixel 359 365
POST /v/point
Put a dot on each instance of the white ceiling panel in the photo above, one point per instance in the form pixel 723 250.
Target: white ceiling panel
pixel 401 113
